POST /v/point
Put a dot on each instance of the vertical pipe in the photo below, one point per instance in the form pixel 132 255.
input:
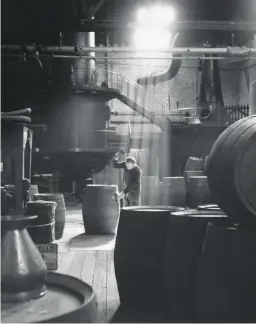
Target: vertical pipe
pixel 252 98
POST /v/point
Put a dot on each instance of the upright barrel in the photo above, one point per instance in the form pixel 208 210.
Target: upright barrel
pixel 173 192
pixel 60 212
pixel 138 256
pixel 189 174
pixel 150 190
pixel 32 191
pixel 230 169
pixel 42 229
pixel 194 164
pixel 227 276
pixel 100 209
pixel 185 238
pixel 198 192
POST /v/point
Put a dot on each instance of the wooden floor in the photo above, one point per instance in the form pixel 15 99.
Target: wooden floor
pixel 89 258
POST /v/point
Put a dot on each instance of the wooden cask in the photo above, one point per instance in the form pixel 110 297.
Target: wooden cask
pixel 60 212
pixel 231 171
pixel 227 275
pixel 138 256
pixel 185 238
pixel 194 164
pixel 150 191
pixel 173 192
pixel 100 209
pixel 198 192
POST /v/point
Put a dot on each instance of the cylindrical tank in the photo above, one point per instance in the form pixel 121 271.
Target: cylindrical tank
pixel 252 98
pixel 227 276
pixel 230 169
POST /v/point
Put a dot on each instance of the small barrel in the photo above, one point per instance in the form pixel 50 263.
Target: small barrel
pixel 230 169
pixel 194 164
pixel 185 238
pixel 45 210
pixel 173 192
pixel 189 174
pixel 227 276
pixel 100 209
pixel 198 192
pixel 32 191
pixel 60 212
pixel 42 234
pixel 150 190
pixel 138 255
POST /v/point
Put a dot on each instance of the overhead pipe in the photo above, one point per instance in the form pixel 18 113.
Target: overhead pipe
pixel 167 75
pixel 79 50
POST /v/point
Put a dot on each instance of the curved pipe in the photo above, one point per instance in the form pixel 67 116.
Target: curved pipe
pixel 167 75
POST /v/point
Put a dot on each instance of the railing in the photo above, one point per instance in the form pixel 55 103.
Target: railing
pixel 129 88
pixel 236 112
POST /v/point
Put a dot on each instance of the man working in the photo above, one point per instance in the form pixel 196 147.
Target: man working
pixel 132 174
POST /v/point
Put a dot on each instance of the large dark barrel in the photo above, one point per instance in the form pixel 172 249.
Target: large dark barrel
pixel 42 229
pixel 138 256
pixel 100 209
pixel 60 212
pixel 198 192
pixel 227 276
pixel 173 192
pixel 231 172
pixel 185 238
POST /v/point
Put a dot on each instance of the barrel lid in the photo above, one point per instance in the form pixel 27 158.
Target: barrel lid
pixel 199 213
pixel 42 203
pixel 65 295
pixel 154 208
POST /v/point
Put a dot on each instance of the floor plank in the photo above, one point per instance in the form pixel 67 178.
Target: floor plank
pixel 88 268
pixel 100 285
pixel 112 291
pixel 66 262
pixel 76 266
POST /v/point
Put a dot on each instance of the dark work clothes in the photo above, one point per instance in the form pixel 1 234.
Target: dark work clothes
pixel 131 180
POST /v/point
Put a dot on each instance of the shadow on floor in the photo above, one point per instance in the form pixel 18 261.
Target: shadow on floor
pixel 93 242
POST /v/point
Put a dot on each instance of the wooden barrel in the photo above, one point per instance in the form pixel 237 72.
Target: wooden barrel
pixel 189 174
pixel 45 210
pixel 100 209
pixel 32 190
pixel 42 234
pixel 60 212
pixel 227 276
pixel 231 172
pixel 198 192
pixel 173 192
pixel 185 238
pixel 194 164
pixel 150 190
pixel 138 255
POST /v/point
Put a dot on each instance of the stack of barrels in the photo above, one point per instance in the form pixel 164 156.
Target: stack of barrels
pixel 192 265
pixel 51 212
